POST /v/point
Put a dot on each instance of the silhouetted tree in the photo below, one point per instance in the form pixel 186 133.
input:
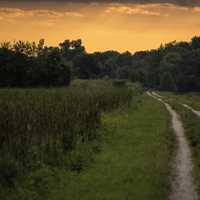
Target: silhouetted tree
pixel 173 66
pixel 86 66
pixel 195 42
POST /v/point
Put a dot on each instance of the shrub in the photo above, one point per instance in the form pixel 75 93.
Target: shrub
pixel 119 83
pixel 9 171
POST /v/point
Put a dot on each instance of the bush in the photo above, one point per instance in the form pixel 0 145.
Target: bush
pixel 80 157
pixel 119 83
pixel 9 171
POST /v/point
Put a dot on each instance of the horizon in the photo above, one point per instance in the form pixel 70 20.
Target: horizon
pixel 97 51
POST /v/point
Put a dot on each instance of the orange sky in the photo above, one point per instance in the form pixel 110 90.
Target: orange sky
pixel 102 27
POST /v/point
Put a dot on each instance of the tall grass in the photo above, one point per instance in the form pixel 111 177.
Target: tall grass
pixel 39 126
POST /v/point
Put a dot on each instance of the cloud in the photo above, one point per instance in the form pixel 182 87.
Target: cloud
pixel 131 10
pixel 156 10
pixel 11 13
pixel 196 10
pixel 66 11
pixel 15 13
pixel 176 2
pixel 73 14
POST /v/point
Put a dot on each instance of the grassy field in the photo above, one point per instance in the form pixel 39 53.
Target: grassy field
pixel 121 147
pixel 191 99
pixel 134 162
pixel 43 127
pixel 42 130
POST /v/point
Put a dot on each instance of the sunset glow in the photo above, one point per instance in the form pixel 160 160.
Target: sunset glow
pixel 127 26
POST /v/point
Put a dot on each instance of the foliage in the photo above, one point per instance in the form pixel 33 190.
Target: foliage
pixel 126 167
pixel 178 62
pixel 25 64
pixel 119 83
pixel 42 126
pixel 86 66
pixel 115 174
pixel 167 82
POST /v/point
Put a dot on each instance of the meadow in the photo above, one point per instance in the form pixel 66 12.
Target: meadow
pixel 133 161
pixel 94 140
pixel 47 127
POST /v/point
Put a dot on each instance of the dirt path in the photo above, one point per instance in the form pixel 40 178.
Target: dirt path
pixel 196 112
pixel 182 184
pixel 156 94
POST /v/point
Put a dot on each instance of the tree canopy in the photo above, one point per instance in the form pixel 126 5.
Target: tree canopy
pixel 174 66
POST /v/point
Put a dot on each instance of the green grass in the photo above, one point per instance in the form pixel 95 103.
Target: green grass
pixel 39 126
pixel 131 161
pixel 191 99
pixel 44 130
pixel 134 162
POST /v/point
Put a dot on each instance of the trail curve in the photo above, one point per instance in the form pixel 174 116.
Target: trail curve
pixel 182 187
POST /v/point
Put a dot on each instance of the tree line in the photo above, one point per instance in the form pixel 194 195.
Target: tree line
pixel 174 66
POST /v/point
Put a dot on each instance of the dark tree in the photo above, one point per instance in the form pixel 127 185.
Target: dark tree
pixel 167 82
pixel 86 66
pixel 173 66
pixel 195 42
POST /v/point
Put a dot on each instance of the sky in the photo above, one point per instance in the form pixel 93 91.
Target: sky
pixel 131 25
